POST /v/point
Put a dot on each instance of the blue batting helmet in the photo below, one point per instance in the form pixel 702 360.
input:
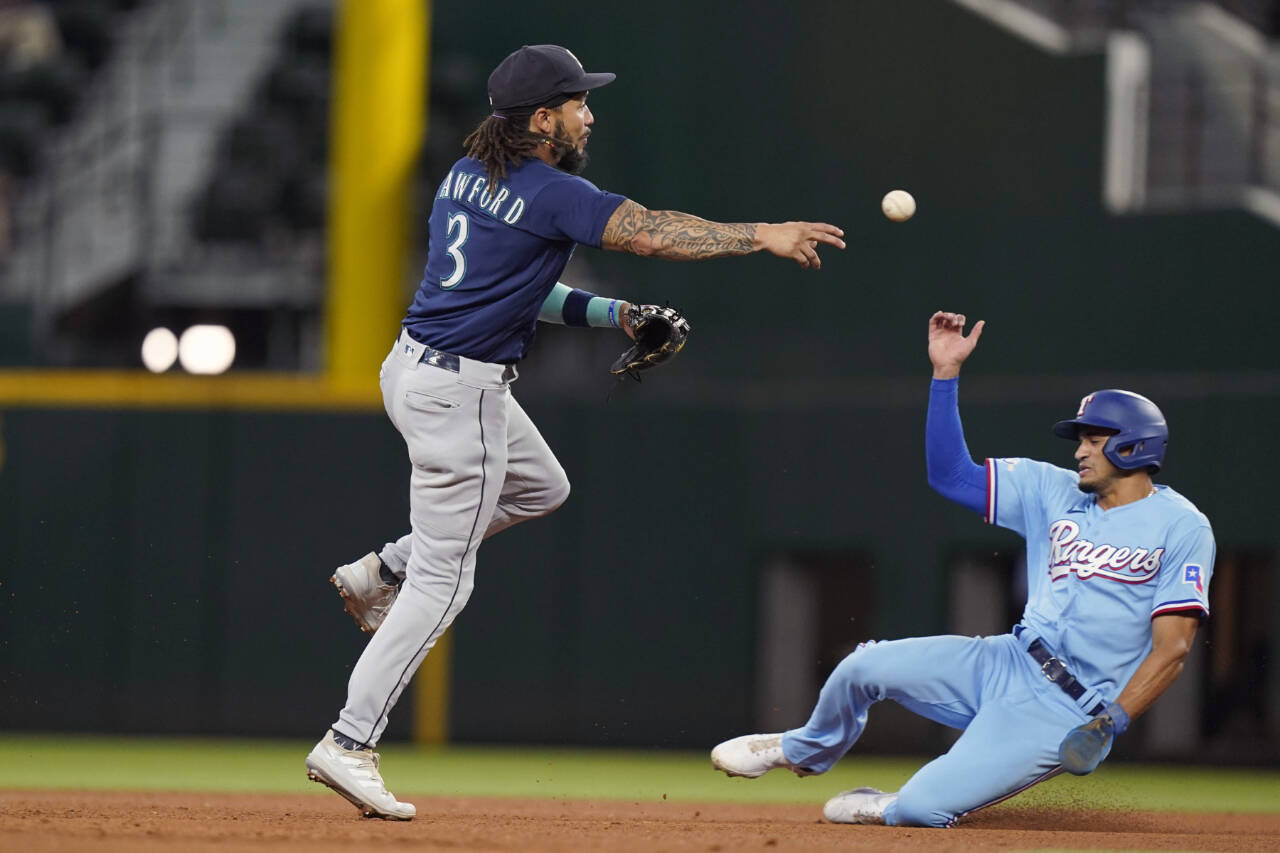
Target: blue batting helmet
pixel 1139 426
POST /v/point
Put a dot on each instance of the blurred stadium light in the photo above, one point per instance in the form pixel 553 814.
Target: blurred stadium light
pixel 206 349
pixel 159 350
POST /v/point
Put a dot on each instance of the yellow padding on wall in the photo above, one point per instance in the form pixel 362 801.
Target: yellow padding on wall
pixel 138 389
pixel 377 130
pixel 379 103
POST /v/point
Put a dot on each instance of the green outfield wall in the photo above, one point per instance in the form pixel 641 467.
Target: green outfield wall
pixel 166 570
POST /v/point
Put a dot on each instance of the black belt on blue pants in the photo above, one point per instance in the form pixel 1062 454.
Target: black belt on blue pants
pixel 1057 672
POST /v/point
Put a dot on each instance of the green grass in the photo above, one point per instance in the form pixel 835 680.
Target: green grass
pixel 170 764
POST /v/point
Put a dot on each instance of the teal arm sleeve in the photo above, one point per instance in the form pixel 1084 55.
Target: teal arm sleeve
pixel 568 306
pixel 602 312
pixel 553 306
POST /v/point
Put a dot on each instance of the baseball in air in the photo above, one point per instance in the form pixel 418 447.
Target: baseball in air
pixel 898 205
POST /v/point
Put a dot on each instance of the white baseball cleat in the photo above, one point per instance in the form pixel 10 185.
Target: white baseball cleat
pixel 364 595
pixel 353 773
pixel 861 805
pixel 752 756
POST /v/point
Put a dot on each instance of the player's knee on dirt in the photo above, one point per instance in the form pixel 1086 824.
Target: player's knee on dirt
pixel 913 808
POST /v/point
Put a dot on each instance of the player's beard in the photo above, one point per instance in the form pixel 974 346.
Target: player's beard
pixel 1100 485
pixel 571 159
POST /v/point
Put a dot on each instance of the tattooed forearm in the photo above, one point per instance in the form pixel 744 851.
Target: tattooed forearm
pixel 675 236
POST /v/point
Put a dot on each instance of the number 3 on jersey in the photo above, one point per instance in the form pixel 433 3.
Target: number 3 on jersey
pixel 462 225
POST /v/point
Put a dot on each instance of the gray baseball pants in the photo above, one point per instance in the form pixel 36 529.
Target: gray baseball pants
pixel 479 466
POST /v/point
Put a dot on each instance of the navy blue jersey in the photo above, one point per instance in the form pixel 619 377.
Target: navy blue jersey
pixel 494 255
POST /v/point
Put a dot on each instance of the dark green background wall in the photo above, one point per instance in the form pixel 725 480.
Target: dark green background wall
pixel 166 571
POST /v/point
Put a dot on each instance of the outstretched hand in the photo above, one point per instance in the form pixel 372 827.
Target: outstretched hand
pixel 948 346
pixel 799 240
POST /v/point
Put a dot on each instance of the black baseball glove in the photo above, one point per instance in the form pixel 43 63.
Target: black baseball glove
pixel 659 334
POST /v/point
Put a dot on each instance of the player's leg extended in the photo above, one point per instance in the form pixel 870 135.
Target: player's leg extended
pixel 1011 744
pixel 937 677
pixel 369 585
pixel 456 435
pixel 535 483
pixel 395 555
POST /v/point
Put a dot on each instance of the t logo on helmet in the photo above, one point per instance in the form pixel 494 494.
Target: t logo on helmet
pixel 1137 425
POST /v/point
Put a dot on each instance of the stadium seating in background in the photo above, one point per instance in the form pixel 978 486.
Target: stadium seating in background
pixel 47 50
pixel 20 127
pixel 85 26
pixel 310 32
pixel 53 86
pixel 269 180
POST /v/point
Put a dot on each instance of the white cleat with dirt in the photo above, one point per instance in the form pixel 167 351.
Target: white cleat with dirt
pixel 753 756
pixel 353 773
pixel 364 595
pixel 861 805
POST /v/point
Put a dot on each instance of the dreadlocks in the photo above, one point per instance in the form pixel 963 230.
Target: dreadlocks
pixel 502 140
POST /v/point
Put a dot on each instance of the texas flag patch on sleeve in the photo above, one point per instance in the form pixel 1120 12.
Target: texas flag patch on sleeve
pixel 1193 574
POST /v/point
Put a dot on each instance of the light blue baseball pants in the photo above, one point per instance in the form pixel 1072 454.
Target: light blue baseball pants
pixel 1012 717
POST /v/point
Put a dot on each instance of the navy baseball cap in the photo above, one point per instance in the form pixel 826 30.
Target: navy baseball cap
pixel 536 74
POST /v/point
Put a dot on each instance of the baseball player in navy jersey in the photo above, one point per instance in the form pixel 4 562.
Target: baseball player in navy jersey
pixel 1118 575
pixel 504 222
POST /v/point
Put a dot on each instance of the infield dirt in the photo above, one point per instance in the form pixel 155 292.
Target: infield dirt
pixel 35 822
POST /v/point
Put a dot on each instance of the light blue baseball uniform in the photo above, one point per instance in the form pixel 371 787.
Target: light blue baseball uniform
pixel 1101 575
pixel 1095 580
